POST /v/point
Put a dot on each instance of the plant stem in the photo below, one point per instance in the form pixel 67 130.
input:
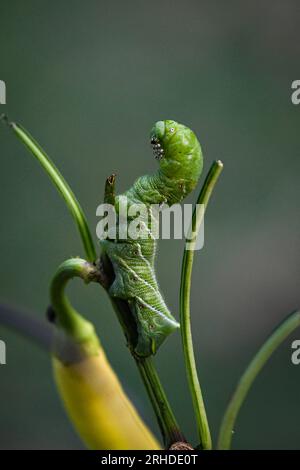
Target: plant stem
pixel 62 187
pixel 166 420
pixel 71 322
pixel 272 343
pixel 162 409
pixel 185 317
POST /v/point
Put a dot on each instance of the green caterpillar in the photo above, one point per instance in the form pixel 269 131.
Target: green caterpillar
pixel 180 165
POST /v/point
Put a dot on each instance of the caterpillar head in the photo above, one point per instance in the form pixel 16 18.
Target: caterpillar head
pixel 178 151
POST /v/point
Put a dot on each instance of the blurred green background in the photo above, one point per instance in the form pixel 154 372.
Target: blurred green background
pixel 88 79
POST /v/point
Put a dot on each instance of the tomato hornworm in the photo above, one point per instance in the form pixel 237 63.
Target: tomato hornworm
pixel 180 164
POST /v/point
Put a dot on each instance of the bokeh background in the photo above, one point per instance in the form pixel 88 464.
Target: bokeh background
pixel 88 79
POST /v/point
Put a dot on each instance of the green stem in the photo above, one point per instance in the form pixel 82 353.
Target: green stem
pixel 62 187
pixel 73 324
pixel 166 419
pixel 162 409
pixel 185 317
pixel 272 343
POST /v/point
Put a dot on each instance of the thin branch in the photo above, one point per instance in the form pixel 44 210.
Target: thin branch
pixel 185 317
pixel 157 396
pixel 60 183
pixel 167 422
pixel 109 191
pixel 272 343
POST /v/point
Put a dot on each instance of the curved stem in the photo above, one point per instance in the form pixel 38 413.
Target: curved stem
pixel 62 187
pixel 272 343
pixel 166 419
pixel 185 317
pixel 81 330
